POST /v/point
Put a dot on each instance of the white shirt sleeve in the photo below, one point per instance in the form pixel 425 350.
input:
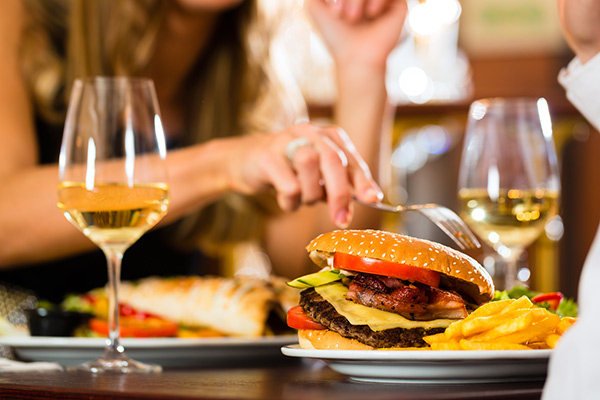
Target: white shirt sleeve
pixel 574 372
pixel 582 83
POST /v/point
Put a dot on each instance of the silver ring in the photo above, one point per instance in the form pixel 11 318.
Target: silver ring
pixel 295 145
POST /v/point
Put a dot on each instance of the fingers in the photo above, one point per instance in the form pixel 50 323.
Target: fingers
pixel 357 10
pixel 306 164
pixel 360 176
pixel 331 169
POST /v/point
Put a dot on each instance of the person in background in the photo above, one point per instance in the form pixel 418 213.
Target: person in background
pixel 229 115
pixel 573 371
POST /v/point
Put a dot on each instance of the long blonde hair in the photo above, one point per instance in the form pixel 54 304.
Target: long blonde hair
pixel 67 39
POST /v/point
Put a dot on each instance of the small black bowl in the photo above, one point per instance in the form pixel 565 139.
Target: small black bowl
pixel 45 322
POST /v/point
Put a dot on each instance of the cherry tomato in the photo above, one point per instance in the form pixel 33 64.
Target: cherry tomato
pixel 386 268
pixel 134 327
pixel 553 299
pixel 297 319
pixel 128 311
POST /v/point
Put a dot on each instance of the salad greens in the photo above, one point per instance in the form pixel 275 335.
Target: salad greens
pixel 566 308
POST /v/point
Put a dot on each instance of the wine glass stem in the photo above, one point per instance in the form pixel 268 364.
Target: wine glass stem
pixel 114 259
pixel 511 266
pixel 510 274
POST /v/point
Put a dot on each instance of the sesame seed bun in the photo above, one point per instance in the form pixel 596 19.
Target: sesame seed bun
pixel 459 272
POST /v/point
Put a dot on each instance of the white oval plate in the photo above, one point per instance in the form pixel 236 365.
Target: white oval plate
pixel 427 366
pixel 168 352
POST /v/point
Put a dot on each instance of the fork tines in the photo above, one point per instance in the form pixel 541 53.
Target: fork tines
pixel 452 225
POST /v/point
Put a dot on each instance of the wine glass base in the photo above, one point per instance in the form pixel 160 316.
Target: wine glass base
pixel 121 365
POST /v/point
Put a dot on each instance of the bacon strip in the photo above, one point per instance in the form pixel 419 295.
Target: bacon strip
pixel 412 301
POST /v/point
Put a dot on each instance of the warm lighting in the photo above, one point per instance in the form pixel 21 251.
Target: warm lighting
pixel 493 237
pixel 415 83
pixel 478 111
pixel 479 215
pixel 431 16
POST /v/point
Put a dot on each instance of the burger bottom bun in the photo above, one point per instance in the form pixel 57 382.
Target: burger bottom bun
pixel 324 339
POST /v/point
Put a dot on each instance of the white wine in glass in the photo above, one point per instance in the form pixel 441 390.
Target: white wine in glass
pixel 509 183
pixel 113 182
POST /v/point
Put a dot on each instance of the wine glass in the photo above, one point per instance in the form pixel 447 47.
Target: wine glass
pixel 508 183
pixel 113 181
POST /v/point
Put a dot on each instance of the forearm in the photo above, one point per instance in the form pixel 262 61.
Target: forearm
pixel 33 228
pixel 363 110
pixel 196 177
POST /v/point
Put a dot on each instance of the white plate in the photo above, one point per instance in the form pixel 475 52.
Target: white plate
pixel 168 352
pixel 443 367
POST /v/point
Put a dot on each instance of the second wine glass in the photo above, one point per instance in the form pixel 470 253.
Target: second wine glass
pixel 509 183
pixel 113 182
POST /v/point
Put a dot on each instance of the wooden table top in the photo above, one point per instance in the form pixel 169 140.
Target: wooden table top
pixel 285 379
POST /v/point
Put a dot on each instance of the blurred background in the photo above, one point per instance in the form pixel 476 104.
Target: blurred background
pixel 453 52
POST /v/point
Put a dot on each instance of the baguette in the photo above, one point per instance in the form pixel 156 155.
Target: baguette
pixel 235 307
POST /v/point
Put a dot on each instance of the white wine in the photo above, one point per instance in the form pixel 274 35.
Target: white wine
pixel 113 216
pixel 515 219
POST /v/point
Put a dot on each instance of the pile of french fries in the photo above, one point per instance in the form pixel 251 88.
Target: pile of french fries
pixel 503 325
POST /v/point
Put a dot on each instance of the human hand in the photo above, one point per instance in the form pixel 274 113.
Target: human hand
pixel 358 31
pixel 579 22
pixel 321 164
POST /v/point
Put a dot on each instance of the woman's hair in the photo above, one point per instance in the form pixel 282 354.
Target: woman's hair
pixel 234 88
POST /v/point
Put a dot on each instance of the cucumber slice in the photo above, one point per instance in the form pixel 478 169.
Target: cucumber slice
pixel 316 279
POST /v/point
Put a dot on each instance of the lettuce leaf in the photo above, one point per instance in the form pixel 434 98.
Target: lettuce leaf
pixel 566 308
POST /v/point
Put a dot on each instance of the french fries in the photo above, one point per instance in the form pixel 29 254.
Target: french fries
pixel 503 325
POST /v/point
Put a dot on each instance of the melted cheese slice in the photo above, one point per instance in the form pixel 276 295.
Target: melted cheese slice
pixel 377 320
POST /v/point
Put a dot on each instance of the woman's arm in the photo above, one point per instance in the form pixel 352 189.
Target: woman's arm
pixel 360 34
pixel 32 229
pixel 31 226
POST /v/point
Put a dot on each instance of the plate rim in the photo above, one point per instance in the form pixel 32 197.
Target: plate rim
pixel 142 343
pixel 294 350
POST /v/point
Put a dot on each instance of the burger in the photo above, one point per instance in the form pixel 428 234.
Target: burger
pixel 380 290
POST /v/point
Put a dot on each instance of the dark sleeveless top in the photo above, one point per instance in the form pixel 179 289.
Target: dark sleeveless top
pixel 153 254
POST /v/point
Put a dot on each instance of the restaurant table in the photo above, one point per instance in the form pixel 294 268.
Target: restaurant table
pixel 276 379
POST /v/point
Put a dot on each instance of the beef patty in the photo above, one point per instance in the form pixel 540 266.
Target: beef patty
pixel 321 311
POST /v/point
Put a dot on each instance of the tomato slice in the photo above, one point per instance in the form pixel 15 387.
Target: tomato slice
pixel 297 319
pixel 553 299
pixel 134 327
pixel 128 311
pixel 386 268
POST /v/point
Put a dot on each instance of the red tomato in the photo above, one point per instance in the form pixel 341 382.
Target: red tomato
pixel 128 311
pixel 386 268
pixel 134 327
pixel 297 319
pixel 553 299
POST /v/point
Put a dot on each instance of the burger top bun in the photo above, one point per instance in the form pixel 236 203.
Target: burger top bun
pixel 459 272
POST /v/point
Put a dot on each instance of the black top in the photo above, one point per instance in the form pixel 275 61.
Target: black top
pixel 154 253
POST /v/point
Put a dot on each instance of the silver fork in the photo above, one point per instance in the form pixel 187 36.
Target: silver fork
pixel 447 220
